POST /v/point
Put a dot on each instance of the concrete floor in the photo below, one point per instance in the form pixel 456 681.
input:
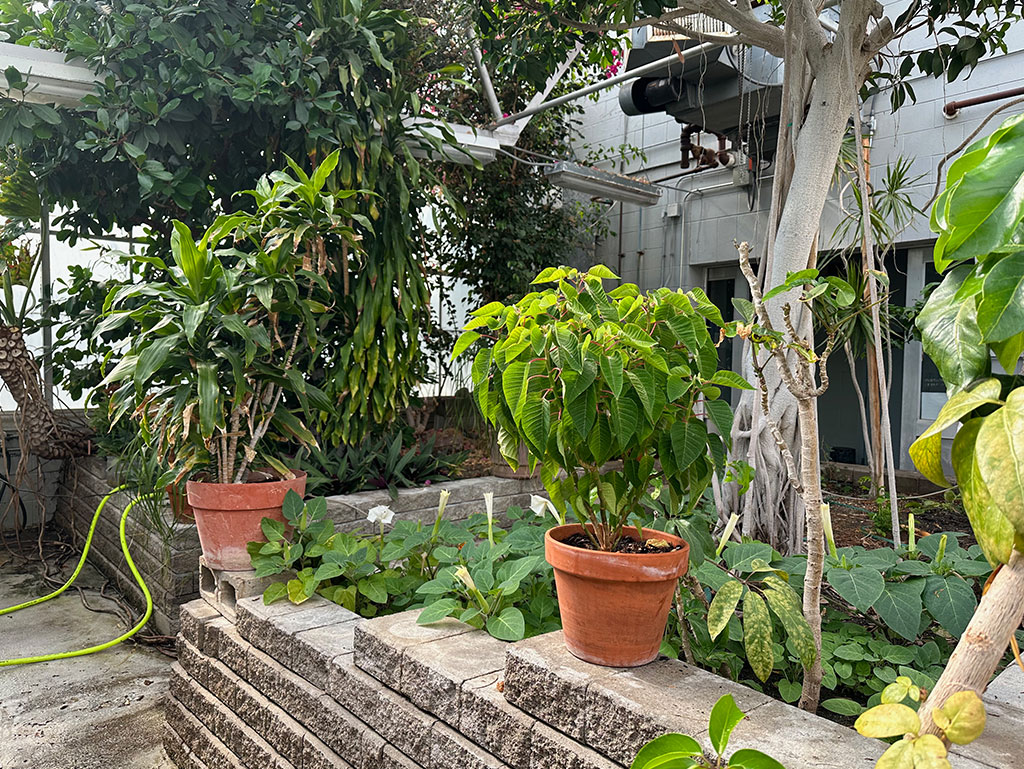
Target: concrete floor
pixel 99 711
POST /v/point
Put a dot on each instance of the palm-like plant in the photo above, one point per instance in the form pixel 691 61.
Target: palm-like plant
pixel 218 368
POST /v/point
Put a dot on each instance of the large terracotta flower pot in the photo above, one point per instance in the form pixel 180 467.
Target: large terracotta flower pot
pixel 228 516
pixel 180 507
pixel 614 606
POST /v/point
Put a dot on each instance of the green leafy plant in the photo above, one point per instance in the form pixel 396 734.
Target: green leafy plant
pixel 465 569
pixel 389 462
pixel 501 583
pixel 960 719
pixel 583 377
pixel 679 751
pixel 220 351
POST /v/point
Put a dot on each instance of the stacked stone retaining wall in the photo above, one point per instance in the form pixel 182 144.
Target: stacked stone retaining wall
pixel 315 686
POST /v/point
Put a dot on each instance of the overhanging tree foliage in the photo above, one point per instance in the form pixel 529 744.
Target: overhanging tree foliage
pixel 197 101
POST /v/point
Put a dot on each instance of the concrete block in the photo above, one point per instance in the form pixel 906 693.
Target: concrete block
pixel 225 644
pixel 394 759
pixel 550 749
pixel 192 661
pixel 316 755
pixel 209 749
pixel 345 735
pixel 312 650
pixel 625 710
pixel 222 683
pixel 380 643
pixel 450 750
pixel 489 720
pixel 223 589
pixel 250 705
pixel 250 612
pixel 192 621
pixel 351 687
pixel 1007 688
pixel 800 740
pixel 402 725
pixel 174 746
pixel 283 733
pixel 275 633
pixel 433 672
pixel 292 693
pixel 543 679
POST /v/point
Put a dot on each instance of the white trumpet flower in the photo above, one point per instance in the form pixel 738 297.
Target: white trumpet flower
pixel 380 514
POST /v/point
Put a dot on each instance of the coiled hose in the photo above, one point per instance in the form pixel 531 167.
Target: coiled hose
pixel 81 562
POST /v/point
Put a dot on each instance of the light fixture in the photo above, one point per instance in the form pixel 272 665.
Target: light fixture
pixel 469 143
pixel 603 184
pixel 51 78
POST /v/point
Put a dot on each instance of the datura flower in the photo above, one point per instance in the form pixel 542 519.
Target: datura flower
pixel 542 506
pixel 380 514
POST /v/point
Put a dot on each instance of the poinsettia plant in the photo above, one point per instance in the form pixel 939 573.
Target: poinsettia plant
pixel 586 378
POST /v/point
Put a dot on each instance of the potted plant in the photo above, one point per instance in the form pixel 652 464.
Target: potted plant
pixel 608 391
pixel 215 373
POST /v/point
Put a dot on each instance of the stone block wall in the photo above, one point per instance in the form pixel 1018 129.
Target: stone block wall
pixel 170 563
pixel 315 686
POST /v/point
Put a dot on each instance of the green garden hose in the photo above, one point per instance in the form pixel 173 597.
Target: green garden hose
pixel 81 562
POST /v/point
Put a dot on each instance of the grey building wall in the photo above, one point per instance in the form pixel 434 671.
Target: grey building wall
pixel 687 238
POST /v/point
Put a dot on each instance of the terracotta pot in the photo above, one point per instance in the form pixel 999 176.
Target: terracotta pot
pixel 180 508
pixel 614 606
pixel 228 516
pixel 501 469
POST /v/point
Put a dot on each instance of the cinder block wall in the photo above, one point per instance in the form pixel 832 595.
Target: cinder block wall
pixel 170 565
pixel 314 686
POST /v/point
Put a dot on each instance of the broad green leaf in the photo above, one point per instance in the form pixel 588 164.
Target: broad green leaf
pixel 611 370
pixel 209 400
pixel 951 601
pixel 643 383
pixel 991 528
pixel 373 589
pixel 274 592
pixel 987 201
pixel 536 422
pixel 730 379
pixel 950 334
pixel 273 530
pixel 999 449
pixel 725 715
pixel 961 717
pixel 602 271
pixel 748 758
pixel 859 586
pixel 437 611
pixel 507 626
pixel 757 635
pixel 689 441
pixel 926 451
pixel 721 414
pixel 297 591
pixel 888 721
pixel 512 380
pixel 723 606
pixel 843 707
pixel 1001 306
pixel 785 604
pixel 465 340
pixel 900 607
pixel 1008 352
pixel 670 751
pixel 153 357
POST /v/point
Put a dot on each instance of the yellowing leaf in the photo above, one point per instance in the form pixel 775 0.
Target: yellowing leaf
pixel 722 606
pixel 929 753
pixel 889 720
pixel 757 635
pixel 964 717
pixel 900 755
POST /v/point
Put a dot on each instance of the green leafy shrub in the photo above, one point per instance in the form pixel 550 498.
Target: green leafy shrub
pixel 487 576
pixel 390 461
pixel 583 377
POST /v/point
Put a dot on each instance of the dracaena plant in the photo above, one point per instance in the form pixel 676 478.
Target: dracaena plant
pixel 217 368
pixel 584 377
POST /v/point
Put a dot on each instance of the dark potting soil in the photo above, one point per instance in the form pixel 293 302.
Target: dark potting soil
pixel 625 545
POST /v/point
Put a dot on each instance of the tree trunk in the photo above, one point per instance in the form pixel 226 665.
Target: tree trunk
pixel 810 472
pixel 39 429
pixel 772 511
pixel 981 647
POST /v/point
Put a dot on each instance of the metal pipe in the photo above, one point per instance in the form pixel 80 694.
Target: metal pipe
pixel 952 108
pixel 485 80
pixel 653 66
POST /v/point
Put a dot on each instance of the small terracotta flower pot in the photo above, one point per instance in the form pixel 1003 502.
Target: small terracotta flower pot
pixel 228 516
pixel 614 606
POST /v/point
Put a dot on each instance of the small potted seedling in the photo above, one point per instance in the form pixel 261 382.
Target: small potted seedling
pixel 608 392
